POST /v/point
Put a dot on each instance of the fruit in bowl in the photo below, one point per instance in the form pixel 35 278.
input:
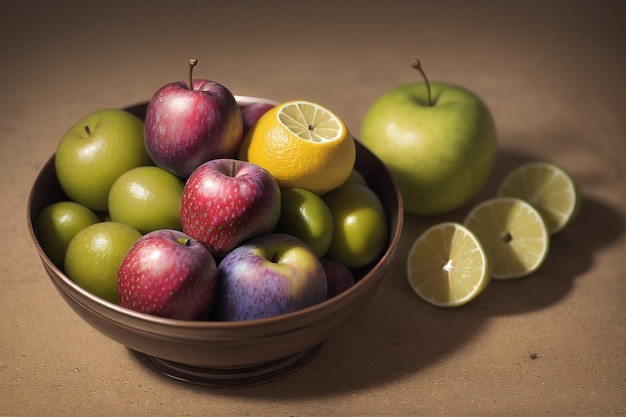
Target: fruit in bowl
pixel 270 275
pixel 227 201
pixel 219 353
pixel 95 151
pixel 169 274
pixel 188 123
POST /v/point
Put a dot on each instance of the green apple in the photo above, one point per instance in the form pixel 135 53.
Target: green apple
pixel 58 223
pixel 438 141
pixel 147 198
pixel 360 225
pixel 95 151
pixel 95 254
pixel 305 215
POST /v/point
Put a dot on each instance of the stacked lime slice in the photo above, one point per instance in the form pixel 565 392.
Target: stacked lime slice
pixel 505 237
pixel 551 190
pixel 514 234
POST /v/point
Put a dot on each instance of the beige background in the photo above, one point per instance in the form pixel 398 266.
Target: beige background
pixel 554 75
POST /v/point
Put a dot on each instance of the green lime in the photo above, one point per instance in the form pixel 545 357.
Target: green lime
pixel 58 223
pixel 147 198
pixel 305 215
pixel 360 225
pixel 95 254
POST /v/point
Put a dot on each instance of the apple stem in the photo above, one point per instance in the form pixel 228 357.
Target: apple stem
pixel 192 63
pixel 275 257
pixel 233 170
pixel 87 130
pixel 418 66
pixel 185 241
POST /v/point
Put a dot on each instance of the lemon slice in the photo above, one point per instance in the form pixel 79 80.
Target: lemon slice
pixel 551 190
pixel 513 233
pixel 303 145
pixel 447 265
pixel 310 121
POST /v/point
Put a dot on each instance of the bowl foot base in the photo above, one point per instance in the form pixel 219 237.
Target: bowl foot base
pixel 229 377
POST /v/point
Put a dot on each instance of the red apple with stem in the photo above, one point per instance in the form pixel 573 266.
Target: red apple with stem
pixel 227 201
pixel 189 123
pixel 169 274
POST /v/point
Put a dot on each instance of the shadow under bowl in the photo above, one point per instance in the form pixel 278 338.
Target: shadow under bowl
pixel 226 354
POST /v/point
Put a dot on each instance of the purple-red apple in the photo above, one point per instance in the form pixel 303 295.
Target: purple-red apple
pixel 190 122
pixel 252 112
pixel 269 275
pixel 169 274
pixel 338 276
pixel 227 201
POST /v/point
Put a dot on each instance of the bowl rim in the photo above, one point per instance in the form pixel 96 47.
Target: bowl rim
pixel 225 326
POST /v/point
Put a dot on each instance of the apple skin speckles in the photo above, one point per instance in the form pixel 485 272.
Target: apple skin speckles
pixel 227 201
pixel 185 127
pixel 166 273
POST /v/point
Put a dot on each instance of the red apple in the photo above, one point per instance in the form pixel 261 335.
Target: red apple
pixel 227 201
pixel 338 276
pixel 251 113
pixel 169 274
pixel 269 275
pixel 189 123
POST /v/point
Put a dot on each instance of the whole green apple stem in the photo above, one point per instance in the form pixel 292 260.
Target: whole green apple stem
pixel 418 66
pixel 192 63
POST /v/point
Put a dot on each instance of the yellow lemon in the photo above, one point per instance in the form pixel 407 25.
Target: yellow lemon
pixel 303 145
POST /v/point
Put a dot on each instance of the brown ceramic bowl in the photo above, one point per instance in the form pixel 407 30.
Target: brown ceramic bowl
pixel 226 353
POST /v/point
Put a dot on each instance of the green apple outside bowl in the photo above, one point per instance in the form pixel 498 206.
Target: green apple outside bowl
pixel 440 145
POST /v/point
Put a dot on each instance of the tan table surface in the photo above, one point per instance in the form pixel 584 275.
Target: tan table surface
pixel 554 75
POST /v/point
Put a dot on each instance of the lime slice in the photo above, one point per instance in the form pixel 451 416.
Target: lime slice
pixel 310 121
pixel 447 265
pixel 513 233
pixel 551 190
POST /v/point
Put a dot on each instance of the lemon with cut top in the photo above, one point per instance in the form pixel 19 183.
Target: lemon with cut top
pixel 548 188
pixel 447 265
pixel 303 145
pixel 514 234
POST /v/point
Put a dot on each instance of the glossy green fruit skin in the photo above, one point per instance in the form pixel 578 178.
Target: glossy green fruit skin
pixel 58 223
pixel 147 198
pixel 356 178
pixel 96 151
pixel 360 225
pixel 441 155
pixel 305 215
pixel 95 254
